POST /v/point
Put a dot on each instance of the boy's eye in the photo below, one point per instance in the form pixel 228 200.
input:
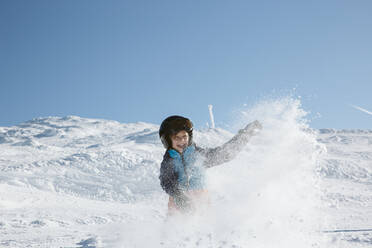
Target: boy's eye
pixel 180 138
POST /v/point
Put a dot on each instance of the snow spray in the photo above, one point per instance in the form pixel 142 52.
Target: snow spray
pixel 268 196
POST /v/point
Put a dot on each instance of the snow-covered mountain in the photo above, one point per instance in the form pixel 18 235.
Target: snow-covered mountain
pixel 77 182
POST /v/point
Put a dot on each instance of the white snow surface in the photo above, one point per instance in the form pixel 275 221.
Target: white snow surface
pixel 78 182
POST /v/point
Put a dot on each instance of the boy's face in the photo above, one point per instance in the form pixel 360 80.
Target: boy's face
pixel 180 141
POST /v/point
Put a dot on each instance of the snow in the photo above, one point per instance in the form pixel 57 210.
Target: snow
pixel 79 182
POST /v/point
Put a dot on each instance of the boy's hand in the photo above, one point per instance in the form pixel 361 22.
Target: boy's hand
pixel 183 202
pixel 252 128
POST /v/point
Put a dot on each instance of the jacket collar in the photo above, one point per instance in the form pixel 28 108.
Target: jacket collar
pixel 175 154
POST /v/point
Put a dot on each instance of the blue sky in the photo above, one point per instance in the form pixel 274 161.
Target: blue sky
pixel 144 60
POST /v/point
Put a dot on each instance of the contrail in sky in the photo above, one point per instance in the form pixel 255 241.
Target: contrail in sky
pixel 362 109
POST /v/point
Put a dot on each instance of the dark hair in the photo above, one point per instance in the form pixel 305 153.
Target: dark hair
pixel 172 125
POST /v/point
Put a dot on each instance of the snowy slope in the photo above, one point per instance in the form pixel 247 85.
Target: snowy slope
pixel 347 185
pixel 94 159
pixel 77 182
pixel 66 173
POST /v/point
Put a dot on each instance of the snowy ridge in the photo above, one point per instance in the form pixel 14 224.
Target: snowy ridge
pixel 83 157
pixel 344 131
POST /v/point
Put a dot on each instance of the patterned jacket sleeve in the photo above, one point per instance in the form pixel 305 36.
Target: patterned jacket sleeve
pixel 168 177
pixel 169 182
pixel 229 150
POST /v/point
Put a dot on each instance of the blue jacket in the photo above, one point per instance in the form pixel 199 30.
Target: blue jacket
pixel 187 168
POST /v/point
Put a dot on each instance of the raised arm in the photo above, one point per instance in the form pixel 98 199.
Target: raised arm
pixel 229 150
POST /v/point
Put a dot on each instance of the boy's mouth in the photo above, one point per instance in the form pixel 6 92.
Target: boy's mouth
pixel 181 147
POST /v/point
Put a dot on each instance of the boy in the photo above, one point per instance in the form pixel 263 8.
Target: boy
pixel 182 172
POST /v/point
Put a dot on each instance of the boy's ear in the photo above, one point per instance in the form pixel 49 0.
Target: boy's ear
pixel 165 142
